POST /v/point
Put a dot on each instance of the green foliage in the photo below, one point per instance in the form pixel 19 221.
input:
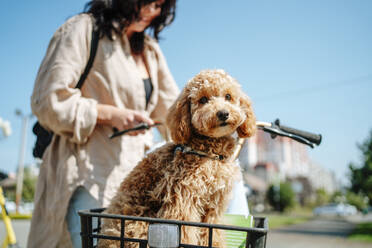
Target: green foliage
pixel 281 197
pixel 10 194
pixel 363 232
pixel 29 185
pixel 322 197
pixel 28 190
pixel 357 200
pixel 338 197
pixel 361 176
pixel 276 221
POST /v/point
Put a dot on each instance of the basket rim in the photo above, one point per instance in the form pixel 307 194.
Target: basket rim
pixel 97 212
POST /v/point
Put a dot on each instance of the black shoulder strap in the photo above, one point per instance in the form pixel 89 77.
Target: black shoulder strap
pixel 93 51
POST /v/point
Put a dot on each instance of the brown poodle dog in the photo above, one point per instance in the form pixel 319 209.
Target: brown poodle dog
pixel 189 179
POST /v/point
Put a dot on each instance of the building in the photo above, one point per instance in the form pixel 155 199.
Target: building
pixel 280 159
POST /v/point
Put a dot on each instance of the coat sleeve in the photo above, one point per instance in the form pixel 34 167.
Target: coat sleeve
pixel 56 103
pixel 168 92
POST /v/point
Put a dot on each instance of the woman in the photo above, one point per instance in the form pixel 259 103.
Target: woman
pixel 129 83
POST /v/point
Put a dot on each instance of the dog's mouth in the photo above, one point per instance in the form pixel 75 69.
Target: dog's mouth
pixel 223 124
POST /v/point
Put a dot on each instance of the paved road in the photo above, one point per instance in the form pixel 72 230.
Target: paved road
pixel 319 233
pixel 21 228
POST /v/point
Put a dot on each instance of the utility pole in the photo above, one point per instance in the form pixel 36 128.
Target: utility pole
pixel 20 171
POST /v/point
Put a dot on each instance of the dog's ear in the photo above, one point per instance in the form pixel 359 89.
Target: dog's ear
pixel 179 119
pixel 248 128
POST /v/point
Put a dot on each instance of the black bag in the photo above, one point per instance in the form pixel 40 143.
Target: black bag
pixel 44 137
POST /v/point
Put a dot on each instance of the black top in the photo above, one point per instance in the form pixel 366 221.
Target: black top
pixel 148 89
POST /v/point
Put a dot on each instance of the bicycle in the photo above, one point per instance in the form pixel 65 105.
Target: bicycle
pixel 10 240
pixel 167 233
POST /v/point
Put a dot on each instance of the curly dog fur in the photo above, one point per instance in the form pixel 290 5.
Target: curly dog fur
pixel 189 186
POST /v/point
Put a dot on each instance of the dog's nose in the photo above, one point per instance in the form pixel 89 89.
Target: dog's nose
pixel 223 115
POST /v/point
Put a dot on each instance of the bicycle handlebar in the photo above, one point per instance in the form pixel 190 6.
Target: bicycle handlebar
pixel 304 137
pixel 312 137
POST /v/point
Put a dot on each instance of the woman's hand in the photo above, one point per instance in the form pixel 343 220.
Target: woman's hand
pixel 121 118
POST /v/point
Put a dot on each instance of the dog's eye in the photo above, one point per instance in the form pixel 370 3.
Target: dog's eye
pixel 228 97
pixel 203 100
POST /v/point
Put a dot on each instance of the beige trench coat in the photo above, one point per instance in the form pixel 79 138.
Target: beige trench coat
pixel 81 153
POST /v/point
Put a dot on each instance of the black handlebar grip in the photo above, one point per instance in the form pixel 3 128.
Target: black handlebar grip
pixel 314 138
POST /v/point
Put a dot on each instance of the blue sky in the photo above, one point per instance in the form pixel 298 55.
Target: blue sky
pixel 306 62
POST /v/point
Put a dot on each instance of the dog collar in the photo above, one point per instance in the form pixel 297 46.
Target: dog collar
pixel 189 150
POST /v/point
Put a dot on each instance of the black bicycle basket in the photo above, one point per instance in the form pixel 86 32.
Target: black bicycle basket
pixel 236 236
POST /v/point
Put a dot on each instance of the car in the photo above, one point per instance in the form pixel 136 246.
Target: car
pixel 337 209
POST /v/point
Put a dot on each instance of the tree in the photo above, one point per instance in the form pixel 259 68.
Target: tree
pixel 29 185
pixel 361 176
pixel 338 197
pixel 357 200
pixel 322 197
pixel 28 190
pixel 281 197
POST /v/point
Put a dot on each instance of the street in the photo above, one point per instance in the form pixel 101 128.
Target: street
pixel 319 233
pixel 21 229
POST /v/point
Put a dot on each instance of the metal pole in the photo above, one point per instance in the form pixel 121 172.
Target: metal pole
pixel 21 164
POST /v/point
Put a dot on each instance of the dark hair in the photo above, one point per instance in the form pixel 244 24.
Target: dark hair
pixel 115 15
